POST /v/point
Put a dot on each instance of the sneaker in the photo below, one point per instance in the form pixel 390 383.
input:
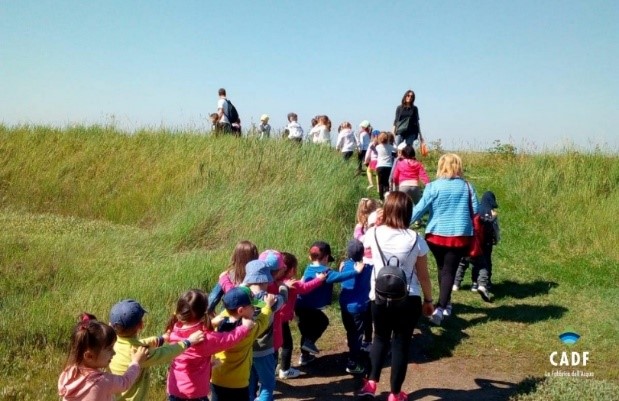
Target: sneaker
pixel 399 397
pixel 447 311
pixel 310 347
pixel 455 287
pixel 474 287
pixel 289 374
pixel 305 360
pixel 366 346
pixel 369 388
pixel 370 186
pixel 437 316
pixel 354 368
pixel 485 295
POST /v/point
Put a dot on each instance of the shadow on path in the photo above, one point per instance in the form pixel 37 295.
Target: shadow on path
pixel 490 390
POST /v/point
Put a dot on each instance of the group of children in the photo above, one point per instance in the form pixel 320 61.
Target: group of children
pixel 231 355
pixel 234 354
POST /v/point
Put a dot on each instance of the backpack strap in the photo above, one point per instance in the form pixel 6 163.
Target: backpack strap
pixel 228 113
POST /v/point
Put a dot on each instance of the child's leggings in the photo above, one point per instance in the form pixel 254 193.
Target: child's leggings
pixel 262 377
pixel 287 346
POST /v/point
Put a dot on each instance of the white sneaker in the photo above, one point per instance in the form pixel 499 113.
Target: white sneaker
pixel 485 295
pixel 447 311
pixel 455 287
pixel 289 374
pixel 437 316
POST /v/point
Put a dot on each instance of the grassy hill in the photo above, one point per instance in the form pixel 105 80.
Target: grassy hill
pixel 90 215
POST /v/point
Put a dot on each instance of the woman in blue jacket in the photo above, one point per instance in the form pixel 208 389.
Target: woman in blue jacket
pixel 447 199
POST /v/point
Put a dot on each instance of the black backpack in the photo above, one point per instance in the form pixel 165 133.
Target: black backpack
pixel 390 285
pixel 233 115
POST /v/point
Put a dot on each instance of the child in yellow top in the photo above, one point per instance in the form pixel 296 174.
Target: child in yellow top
pixel 230 377
pixel 126 319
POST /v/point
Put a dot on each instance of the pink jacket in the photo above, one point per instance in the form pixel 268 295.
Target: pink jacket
pixel 286 313
pixel 78 383
pixel 225 282
pixel 409 169
pixel 190 372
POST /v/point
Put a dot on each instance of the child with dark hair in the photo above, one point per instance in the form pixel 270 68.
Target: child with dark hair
pixel 92 348
pixel 287 275
pixel 312 320
pixel 354 303
pixel 408 172
pixel 295 131
pixel 482 265
pixel 190 372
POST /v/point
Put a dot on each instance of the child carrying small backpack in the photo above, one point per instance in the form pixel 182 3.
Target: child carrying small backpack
pixel 482 265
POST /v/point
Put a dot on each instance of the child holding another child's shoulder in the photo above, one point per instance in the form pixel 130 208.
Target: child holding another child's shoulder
pixel 262 377
pixel 230 376
pixel 295 287
pixel 126 319
pixel 92 348
pixel 190 372
pixel 244 252
pixel 354 303
pixel 312 320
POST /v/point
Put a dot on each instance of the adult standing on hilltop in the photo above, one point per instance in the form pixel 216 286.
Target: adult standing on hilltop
pixel 228 121
pixel 406 123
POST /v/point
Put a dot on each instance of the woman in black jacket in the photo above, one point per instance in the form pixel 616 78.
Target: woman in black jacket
pixel 406 123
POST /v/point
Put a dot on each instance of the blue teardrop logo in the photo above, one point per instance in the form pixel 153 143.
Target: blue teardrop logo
pixel 569 337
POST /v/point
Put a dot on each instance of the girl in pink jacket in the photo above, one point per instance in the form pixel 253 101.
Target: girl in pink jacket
pixel 92 348
pixel 189 375
pixel 407 174
pixel 295 287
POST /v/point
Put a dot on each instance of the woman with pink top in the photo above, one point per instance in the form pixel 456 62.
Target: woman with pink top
pixel 295 287
pixel 407 174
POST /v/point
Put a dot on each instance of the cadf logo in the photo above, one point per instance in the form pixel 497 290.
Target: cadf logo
pixel 569 337
pixel 569 359
pixel 564 359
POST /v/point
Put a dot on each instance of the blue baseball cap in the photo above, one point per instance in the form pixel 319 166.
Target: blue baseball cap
pixel 126 314
pixel 239 297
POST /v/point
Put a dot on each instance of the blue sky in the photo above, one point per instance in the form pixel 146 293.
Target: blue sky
pixel 537 74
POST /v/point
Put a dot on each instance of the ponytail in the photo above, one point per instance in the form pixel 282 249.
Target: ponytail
pixel 89 334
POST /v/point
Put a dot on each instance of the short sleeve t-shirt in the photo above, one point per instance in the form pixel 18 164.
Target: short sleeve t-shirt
pixel 398 243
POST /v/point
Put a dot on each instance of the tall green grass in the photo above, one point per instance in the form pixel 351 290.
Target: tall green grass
pixel 90 215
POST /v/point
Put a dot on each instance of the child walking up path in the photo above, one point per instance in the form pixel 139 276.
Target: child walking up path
pixel 312 320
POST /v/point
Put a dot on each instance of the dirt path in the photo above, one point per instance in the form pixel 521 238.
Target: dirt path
pixel 449 378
